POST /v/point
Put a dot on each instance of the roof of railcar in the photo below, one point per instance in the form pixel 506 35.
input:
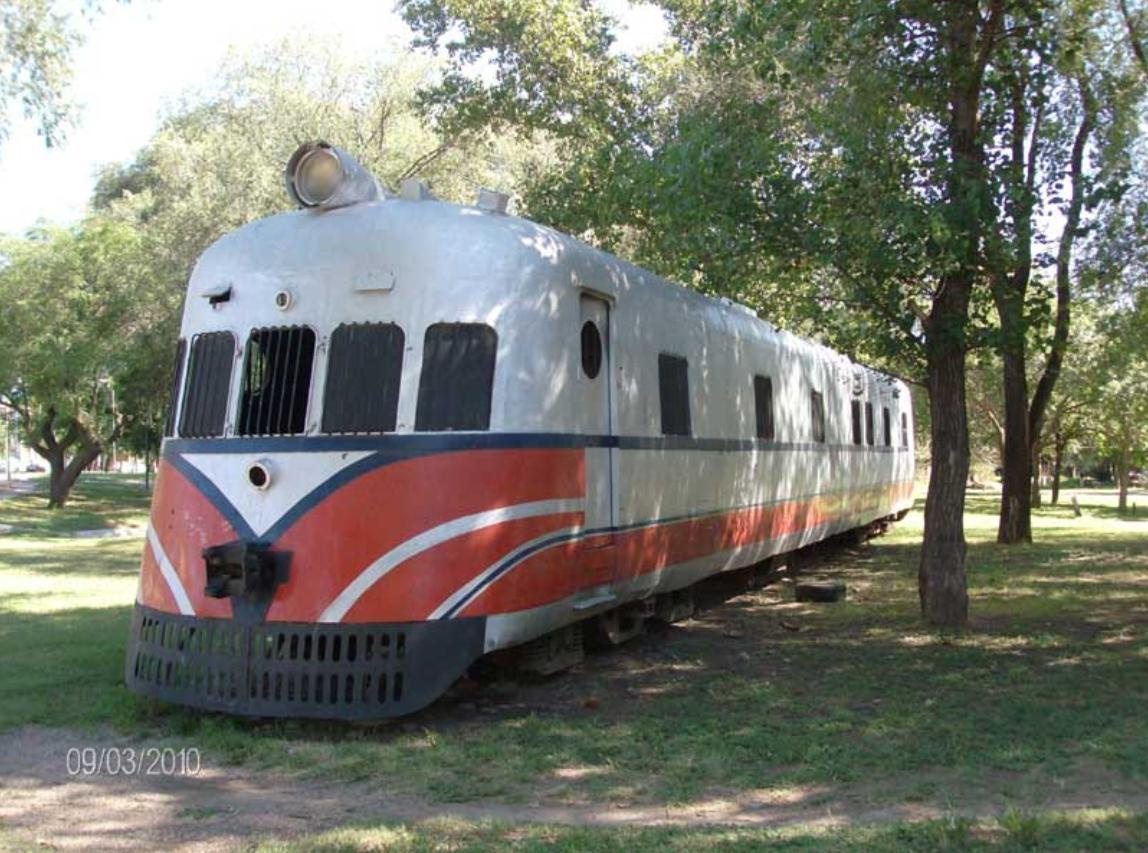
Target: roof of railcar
pixel 482 248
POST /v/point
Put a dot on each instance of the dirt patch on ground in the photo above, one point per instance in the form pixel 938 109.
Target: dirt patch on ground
pixel 227 808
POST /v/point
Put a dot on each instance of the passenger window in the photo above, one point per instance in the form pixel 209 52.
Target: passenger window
pixel 276 381
pixel 817 415
pixel 869 424
pixel 363 373
pixel 674 393
pixel 855 407
pixel 887 426
pixel 763 406
pixel 173 396
pixel 457 377
pixel 904 429
pixel 204 411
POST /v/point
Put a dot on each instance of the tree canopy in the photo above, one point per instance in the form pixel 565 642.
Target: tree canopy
pixel 38 40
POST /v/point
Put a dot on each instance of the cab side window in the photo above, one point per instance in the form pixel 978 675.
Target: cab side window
pixel 363 373
pixel 276 381
pixel 457 378
pixel 204 410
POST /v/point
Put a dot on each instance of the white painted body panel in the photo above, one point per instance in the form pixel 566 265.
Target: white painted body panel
pixel 417 263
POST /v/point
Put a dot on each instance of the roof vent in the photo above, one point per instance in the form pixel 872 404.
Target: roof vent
pixel 492 200
pixel 412 189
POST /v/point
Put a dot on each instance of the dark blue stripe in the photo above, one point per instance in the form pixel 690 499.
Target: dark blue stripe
pixel 214 496
pixel 393 448
pixel 515 559
pixel 321 492
pixel 512 561
pixel 416 444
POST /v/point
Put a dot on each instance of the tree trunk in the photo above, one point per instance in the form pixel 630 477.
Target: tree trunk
pixel 63 477
pixel 1015 523
pixel 1123 475
pixel 63 474
pixel 1036 472
pixel 1057 460
pixel 941 580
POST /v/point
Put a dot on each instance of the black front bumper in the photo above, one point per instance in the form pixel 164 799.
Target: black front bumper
pixel 299 669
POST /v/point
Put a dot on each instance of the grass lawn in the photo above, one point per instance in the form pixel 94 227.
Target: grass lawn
pixel 1098 830
pixel 1046 692
pixel 99 501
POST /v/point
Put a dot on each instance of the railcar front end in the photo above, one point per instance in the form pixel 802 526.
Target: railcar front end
pixel 404 434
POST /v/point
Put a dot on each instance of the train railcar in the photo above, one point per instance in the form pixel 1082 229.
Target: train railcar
pixel 405 434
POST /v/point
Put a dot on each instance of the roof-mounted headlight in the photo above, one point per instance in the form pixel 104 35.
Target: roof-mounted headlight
pixel 323 176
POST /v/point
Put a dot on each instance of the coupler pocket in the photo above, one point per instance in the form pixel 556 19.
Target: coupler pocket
pixel 238 568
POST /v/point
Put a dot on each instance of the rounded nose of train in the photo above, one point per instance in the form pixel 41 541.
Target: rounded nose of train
pixel 332 604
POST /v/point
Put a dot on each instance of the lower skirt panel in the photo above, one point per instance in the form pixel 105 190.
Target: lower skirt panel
pixel 299 669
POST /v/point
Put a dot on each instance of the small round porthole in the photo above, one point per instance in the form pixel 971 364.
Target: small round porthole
pixel 284 299
pixel 591 349
pixel 259 474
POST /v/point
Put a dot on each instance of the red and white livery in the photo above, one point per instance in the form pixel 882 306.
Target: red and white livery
pixel 405 434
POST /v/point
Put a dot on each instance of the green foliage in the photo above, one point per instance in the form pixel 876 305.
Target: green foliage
pixel 37 40
pixel 217 162
pixel 1113 364
pixel 542 64
pixel 94 310
pixel 77 326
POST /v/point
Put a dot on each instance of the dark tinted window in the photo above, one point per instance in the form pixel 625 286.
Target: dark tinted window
pixel 208 385
pixel 855 410
pixel 904 429
pixel 817 415
pixel 276 381
pixel 457 377
pixel 176 379
pixel 363 372
pixel 674 393
pixel 887 423
pixel 591 349
pixel 763 406
pixel 869 424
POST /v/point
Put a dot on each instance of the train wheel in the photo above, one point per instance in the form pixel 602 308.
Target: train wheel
pixel 552 652
pixel 674 606
pixel 618 625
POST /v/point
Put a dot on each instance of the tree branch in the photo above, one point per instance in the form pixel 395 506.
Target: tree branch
pixel 1133 37
pixel 425 160
pixel 1059 343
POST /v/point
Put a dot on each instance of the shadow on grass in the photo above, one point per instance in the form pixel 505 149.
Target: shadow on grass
pixel 99 501
pixel 1007 833
pixel 989 504
pixel 763 692
pixel 71 560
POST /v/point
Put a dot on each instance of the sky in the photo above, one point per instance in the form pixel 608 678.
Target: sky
pixel 138 58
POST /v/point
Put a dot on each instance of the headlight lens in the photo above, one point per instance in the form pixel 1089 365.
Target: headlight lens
pixel 323 177
pixel 317 176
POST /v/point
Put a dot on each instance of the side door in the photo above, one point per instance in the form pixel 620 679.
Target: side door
pixel 596 419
